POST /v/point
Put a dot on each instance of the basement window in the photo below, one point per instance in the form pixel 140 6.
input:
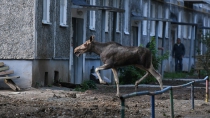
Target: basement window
pixel 63 13
pixel 56 76
pixel 46 79
pixel 46 12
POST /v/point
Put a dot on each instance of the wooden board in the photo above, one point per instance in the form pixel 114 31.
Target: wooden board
pixel 7 72
pixel 4 68
pixel 11 84
pixel 1 63
pixel 12 77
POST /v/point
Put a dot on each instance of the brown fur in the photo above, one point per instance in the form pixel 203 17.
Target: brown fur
pixel 114 55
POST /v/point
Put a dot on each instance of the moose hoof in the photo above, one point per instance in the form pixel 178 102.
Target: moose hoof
pixel 103 82
pixel 118 95
pixel 136 87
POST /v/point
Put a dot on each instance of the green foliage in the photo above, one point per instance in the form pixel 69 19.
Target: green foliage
pixel 129 74
pixel 205 60
pixel 86 85
pixel 174 75
pixel 156 59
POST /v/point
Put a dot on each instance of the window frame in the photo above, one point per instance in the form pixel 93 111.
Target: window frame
pixel 126 17
pixel 92 17
pixel 117 5
pixel 46 12
pixel 63 13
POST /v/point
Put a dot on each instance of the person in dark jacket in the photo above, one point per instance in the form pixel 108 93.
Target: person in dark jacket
pixel 178 53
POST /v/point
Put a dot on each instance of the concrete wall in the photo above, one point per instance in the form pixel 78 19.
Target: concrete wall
pixel 44 72
pixel 17 29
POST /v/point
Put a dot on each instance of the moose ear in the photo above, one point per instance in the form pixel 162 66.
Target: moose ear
pixel 92 38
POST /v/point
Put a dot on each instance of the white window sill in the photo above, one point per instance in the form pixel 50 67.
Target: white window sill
pixel 46 22
pixel 126 32
pixel 63 25
pixel 91 28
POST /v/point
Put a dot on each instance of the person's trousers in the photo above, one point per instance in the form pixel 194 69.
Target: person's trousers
pixel 178 64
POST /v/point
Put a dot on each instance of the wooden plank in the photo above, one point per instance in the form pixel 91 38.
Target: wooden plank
pixel 7 72
pixel 1 63
pixel 12 77
pixel 12 84
pixel 4 68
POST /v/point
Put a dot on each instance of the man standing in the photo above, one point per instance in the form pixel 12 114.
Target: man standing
pixel 178 53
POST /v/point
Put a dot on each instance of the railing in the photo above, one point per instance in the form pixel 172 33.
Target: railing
pixel 169 88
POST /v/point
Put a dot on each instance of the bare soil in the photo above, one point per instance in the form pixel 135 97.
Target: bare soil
pixel 61 102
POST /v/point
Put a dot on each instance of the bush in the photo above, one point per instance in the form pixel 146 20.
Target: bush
pixel 86 85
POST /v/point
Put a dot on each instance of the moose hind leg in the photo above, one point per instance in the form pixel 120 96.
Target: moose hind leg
pixel 156 75
pixel 116 80
pixel 138 81
pixel 103 67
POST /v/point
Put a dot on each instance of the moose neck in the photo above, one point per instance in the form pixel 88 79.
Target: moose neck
pixel 98 47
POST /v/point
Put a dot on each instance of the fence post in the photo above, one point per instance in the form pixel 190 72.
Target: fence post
pixel 207 90
pixel 192 95
pixel 172 103
pixel 122 107
pixel 153 105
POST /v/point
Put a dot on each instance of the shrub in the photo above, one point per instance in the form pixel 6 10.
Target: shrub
pixel 86 85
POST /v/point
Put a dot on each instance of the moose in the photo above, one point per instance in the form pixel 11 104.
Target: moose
pixel 114 55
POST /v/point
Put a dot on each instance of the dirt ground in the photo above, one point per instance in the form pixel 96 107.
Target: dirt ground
pixel 61 102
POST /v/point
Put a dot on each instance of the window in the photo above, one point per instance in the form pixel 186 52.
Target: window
pixel 167 24
pixel 116 4
pixel 46 12
pixel 144 21
pixel 152 26
pixel 160 27
pixel 106 3
pixel 185 27
pixel 190 27
pixel 126 20
pixel 92 16
pixel 63 13
pixel 179 26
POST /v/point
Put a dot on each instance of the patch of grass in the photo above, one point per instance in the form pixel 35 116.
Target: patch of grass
pixel 86 85
pixel 174 75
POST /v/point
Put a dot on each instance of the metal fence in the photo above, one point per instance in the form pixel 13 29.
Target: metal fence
pixel 168 88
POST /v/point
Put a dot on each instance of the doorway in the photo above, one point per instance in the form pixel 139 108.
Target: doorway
pixel 77 70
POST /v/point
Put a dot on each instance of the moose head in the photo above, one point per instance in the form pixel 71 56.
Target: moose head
pixel 85 47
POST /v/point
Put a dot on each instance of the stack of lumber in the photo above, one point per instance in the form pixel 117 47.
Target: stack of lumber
pixel 4 75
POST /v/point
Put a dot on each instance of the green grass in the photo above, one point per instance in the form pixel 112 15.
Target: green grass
pixel 173 75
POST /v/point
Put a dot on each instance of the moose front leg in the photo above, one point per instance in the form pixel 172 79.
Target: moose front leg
pixel 116 80
pixel 138 81
pixel 103 67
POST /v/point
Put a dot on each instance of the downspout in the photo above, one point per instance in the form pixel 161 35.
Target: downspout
pixel 102 35
pixel 84 39
pixel 191 46
pixel 70 74
pixel 148 21
pixel 140 27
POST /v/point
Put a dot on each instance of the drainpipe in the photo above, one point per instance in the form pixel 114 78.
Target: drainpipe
pixel 191 46
pixel 102 35
pixel 156 34
pixel 163 43
pixel 114 36
pixel 148 21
